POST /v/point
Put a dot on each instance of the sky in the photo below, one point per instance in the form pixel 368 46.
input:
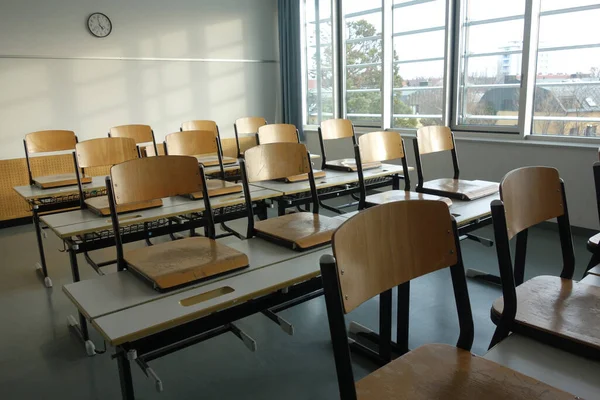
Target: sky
pixel 555 30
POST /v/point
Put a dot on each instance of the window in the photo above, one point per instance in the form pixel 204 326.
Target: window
pixel 418 63
pixel 567 91
pixel 363 61
pixel 489 57
pixel 318 71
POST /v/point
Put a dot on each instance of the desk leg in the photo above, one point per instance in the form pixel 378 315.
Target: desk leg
pixel 396 182
pixel 41 266
pixel 125 375
pixel 80 328
pixel 280 208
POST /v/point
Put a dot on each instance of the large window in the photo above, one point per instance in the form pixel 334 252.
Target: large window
pixel 526 67
pixel 418 63
pixel 567 92
pixel 318 65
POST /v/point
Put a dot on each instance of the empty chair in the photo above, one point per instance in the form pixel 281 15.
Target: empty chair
pixel 554 310
pixel 433 139
pixel 205 147
pixel 593 266
pixel 284 133
pixel 42 142
pixel 387 246
pixel 176 263
pixel 208 125
pixel 149 151
pixel 142 134
pixel 106 152
pixel 302 230
pixel 246 130
pixel 339 129
pixel 383 146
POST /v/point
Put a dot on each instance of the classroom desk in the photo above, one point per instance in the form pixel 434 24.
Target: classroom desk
pixel 143 324
pixel 44 201
pixel 334 184
pixel 558 368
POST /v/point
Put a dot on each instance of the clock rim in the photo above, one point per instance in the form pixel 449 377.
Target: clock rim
pixel 105 16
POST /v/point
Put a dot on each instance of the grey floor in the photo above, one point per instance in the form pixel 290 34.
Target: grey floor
pixel 41 359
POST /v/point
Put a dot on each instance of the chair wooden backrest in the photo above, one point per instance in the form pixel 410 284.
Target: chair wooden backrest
pixel 278 133
pixel 153 178
pixel 433 139
pixel 104 152
pixel 378 147
pixel 276 161
pixel 387 245
pixel 49 141
pixel 140 133
pixel 380 248
pixel 528 196
pixel 200 125
pixel 249 125
pixel 191 143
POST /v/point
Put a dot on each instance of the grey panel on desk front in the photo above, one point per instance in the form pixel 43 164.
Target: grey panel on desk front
pixel 566 371
pixel 167 312
pixel 118 291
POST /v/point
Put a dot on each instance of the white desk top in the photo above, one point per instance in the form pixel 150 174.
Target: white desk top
pixel 79 222
pixel 122 290
pixel 565 371
pixel 29 192
pixel 167 312
pixel 332 178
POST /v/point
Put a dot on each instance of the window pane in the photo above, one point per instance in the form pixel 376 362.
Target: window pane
pixel 418 64
pixel 567 95
pixel 548 5
pixel 318 55
pixel 364 58
pixel 490 64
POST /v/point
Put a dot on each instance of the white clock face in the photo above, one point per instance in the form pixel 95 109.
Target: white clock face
pixel 99 25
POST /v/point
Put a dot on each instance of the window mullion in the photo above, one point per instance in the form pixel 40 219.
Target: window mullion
pixel 529 66
pixel 388 68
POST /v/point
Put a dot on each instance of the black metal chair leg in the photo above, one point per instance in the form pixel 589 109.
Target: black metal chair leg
pixel 500 334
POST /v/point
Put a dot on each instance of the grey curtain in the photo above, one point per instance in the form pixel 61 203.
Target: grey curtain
pixel 290 62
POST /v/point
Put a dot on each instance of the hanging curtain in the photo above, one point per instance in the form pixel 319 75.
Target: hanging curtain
pixel 290 62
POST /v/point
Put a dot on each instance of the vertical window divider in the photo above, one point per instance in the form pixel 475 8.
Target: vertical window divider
pixel 337 22
pixel 531 33
pixel 387 89
pixel 450 60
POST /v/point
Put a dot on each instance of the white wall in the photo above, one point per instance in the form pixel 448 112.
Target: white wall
pixel 52 75
pixel 492 160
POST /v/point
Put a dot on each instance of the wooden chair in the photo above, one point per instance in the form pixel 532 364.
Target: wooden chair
pixel 593 266
pixel 246 131
pixel 148 150
pixel 140 133
pixel 206 148
pixel 302 230
pixel 47 142
pixel 339 129
pixel 433 139
pixel 207 125
pixel 383 146
pixel 106 152
pixel 387 246
pixel 176 263
pixel 554 310
pixel 284 133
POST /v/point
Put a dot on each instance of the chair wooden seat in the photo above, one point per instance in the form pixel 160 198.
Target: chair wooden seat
pixel 349 164
pixel 304 177
pixel 592 243
pixel 439 371
pixel 213 159
pixel 591 279
pixel 398 195
pixel 99 205
pixel 59 180
pixel 462 189
pixel 180 262
pixel 304 230
pixel 560 307
pixel 217 187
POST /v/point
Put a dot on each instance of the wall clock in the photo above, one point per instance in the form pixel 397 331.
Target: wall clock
pixel 99 25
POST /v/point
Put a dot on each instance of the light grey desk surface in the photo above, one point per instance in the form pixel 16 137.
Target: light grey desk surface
pixel 68 225
pixel 167 312
pixel 30 192
pixel 563 370
pixel 332 178
pixel 463 211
